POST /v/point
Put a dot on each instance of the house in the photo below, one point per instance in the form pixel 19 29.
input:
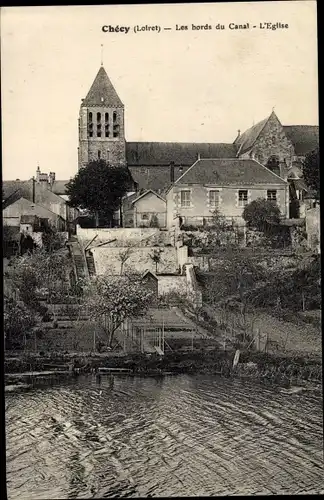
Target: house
pixel 11 215
pixel 224 184
pixel 149 210
pixel 41 192
pixel 102 135
pixel 150 281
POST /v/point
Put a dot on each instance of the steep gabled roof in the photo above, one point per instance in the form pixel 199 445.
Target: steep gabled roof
pixel 59 187
pixel 245 141
pixel 156 178
pixel 14 190
pixel 305 138
pixel 227 172
pixel 147 192
pixel 102 92
pixel 181 153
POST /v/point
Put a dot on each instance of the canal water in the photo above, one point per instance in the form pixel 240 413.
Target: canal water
pixel 174 436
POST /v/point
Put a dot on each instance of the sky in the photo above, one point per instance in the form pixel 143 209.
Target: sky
pixel 179 85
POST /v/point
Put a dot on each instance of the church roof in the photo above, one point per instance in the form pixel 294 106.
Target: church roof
pixel 305 138
pixel 102 92
pixel 245 141
pixel 227 172
pixel 181 153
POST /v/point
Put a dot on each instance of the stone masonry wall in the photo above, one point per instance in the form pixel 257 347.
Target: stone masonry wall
pixel 272 141
pixel 108 261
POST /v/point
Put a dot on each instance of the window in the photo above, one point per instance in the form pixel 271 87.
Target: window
pixel 272 195
pixel 213 198
pixel 144 216
pixel 115 125
pixel 90 125
pixel 98 124
pixel 106 124
pixel 99 154
pixel 185 198
pixel 242 197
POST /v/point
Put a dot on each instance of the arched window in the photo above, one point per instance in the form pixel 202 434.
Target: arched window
pixel 99 154
pixel 107 124
pixel 273 164
pixel 98 124
pixel 90 125
pixel 115 125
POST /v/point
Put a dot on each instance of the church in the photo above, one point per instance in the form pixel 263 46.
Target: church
pixel 155 166
pixel 265 160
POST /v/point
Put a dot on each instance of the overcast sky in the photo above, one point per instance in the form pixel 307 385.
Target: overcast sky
pixel 198 86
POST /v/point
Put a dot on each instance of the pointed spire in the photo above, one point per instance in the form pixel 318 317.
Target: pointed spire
pixel 101 64
pixel 102 92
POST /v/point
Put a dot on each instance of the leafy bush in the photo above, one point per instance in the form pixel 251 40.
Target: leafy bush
pixel 260 214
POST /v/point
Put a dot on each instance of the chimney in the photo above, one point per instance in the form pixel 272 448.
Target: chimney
pixel 238 133
pixel 283 169
pixel 51 179
pixel 172 171
pixel 198 156
pixel 43 181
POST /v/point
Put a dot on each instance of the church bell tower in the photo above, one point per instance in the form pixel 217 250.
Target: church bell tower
pixel 101 124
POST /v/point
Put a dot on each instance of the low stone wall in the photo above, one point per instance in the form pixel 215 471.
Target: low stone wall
pixel 108 260
pixel 126 236
pixel 313 228
pixel 169 284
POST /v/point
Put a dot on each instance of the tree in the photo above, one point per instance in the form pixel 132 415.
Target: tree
pixel 260 214
pixel 52 239
pixel 99 187
pixel 116 298
pixel 156 258
pixel 219 228
pixel 311 171
pixel 123 256
pixel 18 322
pixel 37 273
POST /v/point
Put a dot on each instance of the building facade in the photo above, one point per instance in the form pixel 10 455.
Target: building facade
pixel 101 124
pixel 225 186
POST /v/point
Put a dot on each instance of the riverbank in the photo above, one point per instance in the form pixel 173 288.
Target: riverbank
pixel 262 367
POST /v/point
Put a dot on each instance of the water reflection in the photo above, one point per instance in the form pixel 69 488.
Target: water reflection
pixel 162 437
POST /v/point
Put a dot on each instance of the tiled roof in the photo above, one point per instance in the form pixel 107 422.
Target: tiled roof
pixel 181 153
pixel 226 172
pixel 145 193
pixel 246 140
pixel 305 138
pixel 102 92
pixel 156 178
pixel 59 187
pixel 13 190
